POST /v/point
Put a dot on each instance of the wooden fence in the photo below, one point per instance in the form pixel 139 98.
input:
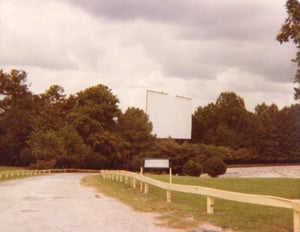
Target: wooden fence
pixel 19 173
pixel 210 193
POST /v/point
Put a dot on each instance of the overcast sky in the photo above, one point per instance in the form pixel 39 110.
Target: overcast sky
pixel 192 48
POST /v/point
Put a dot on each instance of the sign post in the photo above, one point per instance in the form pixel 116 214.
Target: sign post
pixel 159 164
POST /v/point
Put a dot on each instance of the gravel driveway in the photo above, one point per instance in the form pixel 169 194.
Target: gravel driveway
pixel 58 203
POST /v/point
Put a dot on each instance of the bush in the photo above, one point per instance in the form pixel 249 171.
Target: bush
pixel 96 161
pixel 43 164
pixel 192 168
pixel 214 166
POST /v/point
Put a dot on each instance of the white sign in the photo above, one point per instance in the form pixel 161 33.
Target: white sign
pixel 156 163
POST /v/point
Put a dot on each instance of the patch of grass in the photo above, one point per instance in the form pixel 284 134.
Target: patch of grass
pixel 11 168
pixel 189 210
pixel 281 187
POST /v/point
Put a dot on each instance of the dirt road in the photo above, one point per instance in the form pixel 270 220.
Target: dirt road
pixel 59 203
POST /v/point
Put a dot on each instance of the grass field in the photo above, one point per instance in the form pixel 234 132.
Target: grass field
pixel 188 211
pixel 11 168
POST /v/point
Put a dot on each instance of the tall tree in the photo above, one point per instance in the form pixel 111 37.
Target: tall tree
pixel 233 121
pixel 225 123
pixel 16 103
pixel 100 104
pixel 204 123
pixel 92 112
pixel 79 126
pixel 288 125
pixel 50 113
pixel 267 140
pixel 135 128
pixel 291 30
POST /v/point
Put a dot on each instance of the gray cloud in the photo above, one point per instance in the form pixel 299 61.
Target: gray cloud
pixel 167 10
pixel 196 18
pixel 223 34
pixel 193 12
pixel 202 46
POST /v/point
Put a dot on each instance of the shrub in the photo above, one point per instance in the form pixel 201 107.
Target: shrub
pixel 43 164
pixel 214 166
pixel 96 161
pixel 192 168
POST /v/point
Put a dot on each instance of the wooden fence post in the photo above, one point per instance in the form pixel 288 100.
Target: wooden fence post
pixel 210 204
pixel 141 186
pixel 146 188
pixel 168 196
pixel 296 221
pixel 134 183
pixel 296 216
pixel 141 170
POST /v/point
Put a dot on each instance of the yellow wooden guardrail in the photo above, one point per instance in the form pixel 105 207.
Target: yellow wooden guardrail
pixel 210 193
pixel 18 173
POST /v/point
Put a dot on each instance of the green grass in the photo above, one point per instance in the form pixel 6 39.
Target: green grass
pixel 11 168
pixel 189 210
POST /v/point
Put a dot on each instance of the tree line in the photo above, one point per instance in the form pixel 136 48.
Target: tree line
pixel 88 130
pixel 265 135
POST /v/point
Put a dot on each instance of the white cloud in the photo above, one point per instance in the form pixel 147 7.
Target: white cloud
pixel 46 35
pixel 254 89
pixel 57 42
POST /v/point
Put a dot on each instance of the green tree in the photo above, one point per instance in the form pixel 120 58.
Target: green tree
pixel 63 148
pixel 16 104
pixel 76 151
pixel 45 144
pixel 99 103
pixel 192 168
pixel 214 166
pixel 204 122
pixel 291 30
pixel 85 125
pixel 288 125
pixel 92 112
pixel 47 147
pixel 135 128
pixel 96 160
pixel 13 84
pixel 49 114
pixel 109 145
pixel 225 123
pixel 266 137
pixel 231 108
